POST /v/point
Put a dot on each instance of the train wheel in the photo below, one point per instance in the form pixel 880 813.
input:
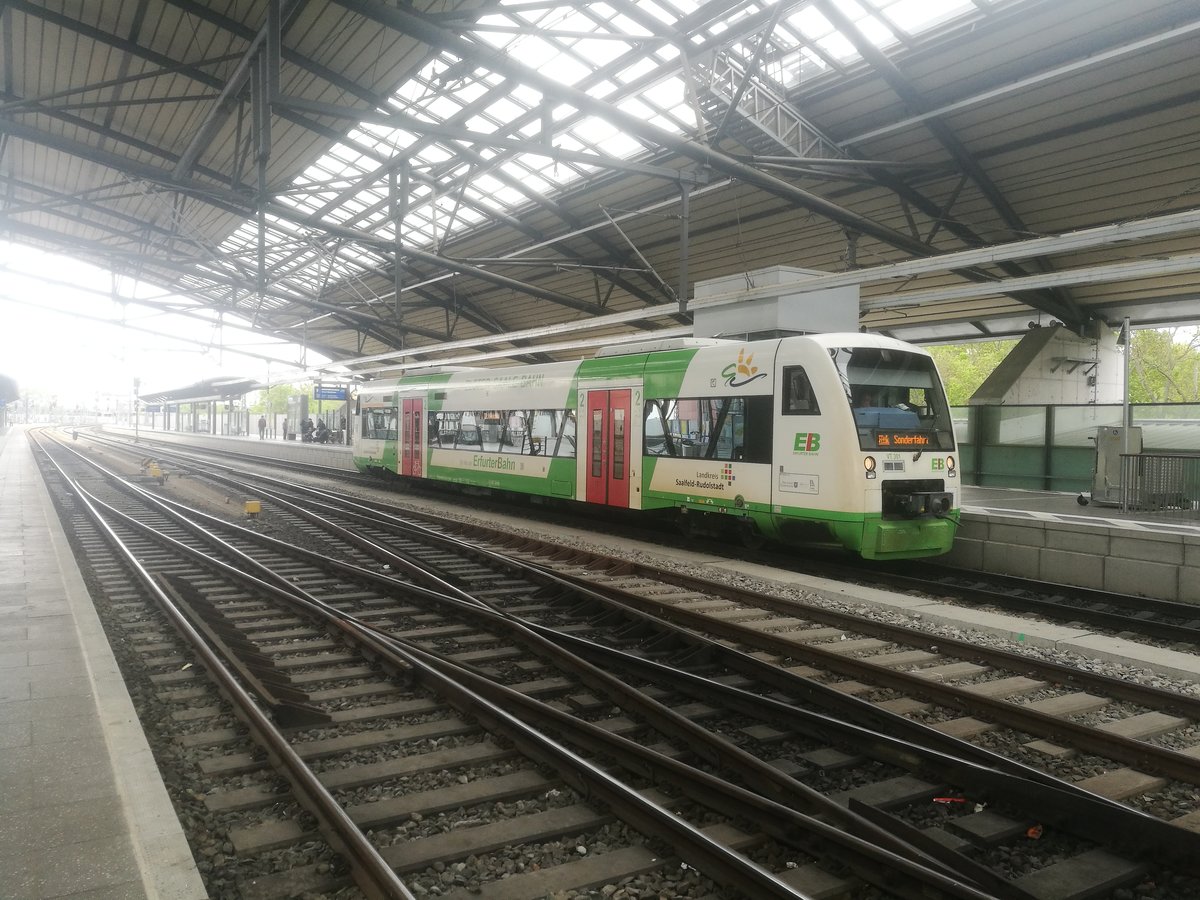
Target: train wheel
pixel 689 526
pixel 750 536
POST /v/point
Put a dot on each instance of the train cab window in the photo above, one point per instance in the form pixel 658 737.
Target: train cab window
pixel 798 396
pixel 896 398
pixel 379 423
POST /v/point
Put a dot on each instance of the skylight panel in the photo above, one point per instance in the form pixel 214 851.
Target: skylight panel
pixel 666 94
pixel 487 184
pixel 666 53
pixel 504 111
pixel 574 19
pixel 602 90
pixel 594 131
pixel 599 52
pixel 497 39
pixel 625 25
pixel 470 91
pixel 532 180
pixel 636 70
pixel 534 51
pixel 525 95
pixel 442 108
pixel 664 16
pixel 435 153
pixel 918 15
pixel 563 69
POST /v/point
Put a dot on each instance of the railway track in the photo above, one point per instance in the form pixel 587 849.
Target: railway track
pixel 1169 622
pixel 637 799
pixel 843 734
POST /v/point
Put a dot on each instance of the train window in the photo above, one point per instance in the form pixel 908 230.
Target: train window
pixel 896 398
pixel 618 444
pixel 379 423
pixel 528 432
pixel 728 428
pixel 597 443
pixel 798 396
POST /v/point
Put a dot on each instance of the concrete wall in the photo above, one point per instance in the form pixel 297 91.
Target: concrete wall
pixel 1052 365
pixel 1148 564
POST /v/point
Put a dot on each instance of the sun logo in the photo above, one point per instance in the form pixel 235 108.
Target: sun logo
pixel 746 367
pixel 743 371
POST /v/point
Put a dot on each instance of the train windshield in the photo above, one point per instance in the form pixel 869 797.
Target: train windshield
pixel 896 397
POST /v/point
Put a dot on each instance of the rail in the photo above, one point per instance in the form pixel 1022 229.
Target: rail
pixel 1163 483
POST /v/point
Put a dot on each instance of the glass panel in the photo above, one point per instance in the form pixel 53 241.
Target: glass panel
pixel 896 398
pixel 597 444
pixel 618 444
pixel 1075 426
pixel 379 424
pixel 798 399
pixel 1021 426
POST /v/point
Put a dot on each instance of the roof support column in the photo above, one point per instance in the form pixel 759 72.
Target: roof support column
pixel 398 187
pixel 685 190
pixel 264 84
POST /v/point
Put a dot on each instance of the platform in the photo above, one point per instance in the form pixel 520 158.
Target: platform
pixel 83 810
pixel 1050 537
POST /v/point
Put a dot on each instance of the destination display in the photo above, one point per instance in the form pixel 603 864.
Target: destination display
pixel 903 440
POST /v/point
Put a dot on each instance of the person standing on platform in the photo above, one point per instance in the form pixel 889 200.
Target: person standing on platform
pixel 262 428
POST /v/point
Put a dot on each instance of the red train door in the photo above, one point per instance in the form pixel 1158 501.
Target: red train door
pixel 608 447
pixel 410 438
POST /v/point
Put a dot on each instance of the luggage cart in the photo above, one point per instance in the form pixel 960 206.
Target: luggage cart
pixel 1106 474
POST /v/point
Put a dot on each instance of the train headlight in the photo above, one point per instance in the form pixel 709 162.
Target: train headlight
pixel 950 466
pixel 869 465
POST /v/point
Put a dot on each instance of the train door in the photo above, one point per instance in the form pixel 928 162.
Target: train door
pixel 608 426
pixel 412 422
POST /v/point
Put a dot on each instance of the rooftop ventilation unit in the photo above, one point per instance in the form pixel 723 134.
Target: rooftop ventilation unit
pixel 772 302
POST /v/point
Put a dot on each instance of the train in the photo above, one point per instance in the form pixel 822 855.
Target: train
pixel 798 439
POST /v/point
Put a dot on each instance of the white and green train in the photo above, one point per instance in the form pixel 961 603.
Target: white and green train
pixel 842 436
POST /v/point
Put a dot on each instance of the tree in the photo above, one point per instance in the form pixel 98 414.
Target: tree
pixel 964 367
pixel 1164 366
pixel 275 399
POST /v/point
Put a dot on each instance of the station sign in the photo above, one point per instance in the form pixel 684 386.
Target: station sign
pixel 152 407
pixel 329 393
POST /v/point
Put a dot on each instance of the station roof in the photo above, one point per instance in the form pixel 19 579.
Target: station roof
pixel 470 180
pixel 209 389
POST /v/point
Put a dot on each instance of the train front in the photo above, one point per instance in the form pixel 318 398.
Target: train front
pixel 904 477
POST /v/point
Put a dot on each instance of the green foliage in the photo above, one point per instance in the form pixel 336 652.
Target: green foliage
pixel 275 400
pixel 965 366
pixel 1164 366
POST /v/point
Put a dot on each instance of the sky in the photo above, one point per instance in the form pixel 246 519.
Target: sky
pixel 63 335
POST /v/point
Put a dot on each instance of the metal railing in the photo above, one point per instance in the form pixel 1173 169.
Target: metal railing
pixel 1161 483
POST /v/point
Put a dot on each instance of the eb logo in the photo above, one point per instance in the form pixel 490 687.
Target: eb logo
pixel 807 442
pixel 938 464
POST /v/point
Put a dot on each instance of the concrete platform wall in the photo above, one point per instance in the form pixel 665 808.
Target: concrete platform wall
pixel 1150 564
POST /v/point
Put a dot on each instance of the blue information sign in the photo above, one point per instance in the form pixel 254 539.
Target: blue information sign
pixel 329 393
